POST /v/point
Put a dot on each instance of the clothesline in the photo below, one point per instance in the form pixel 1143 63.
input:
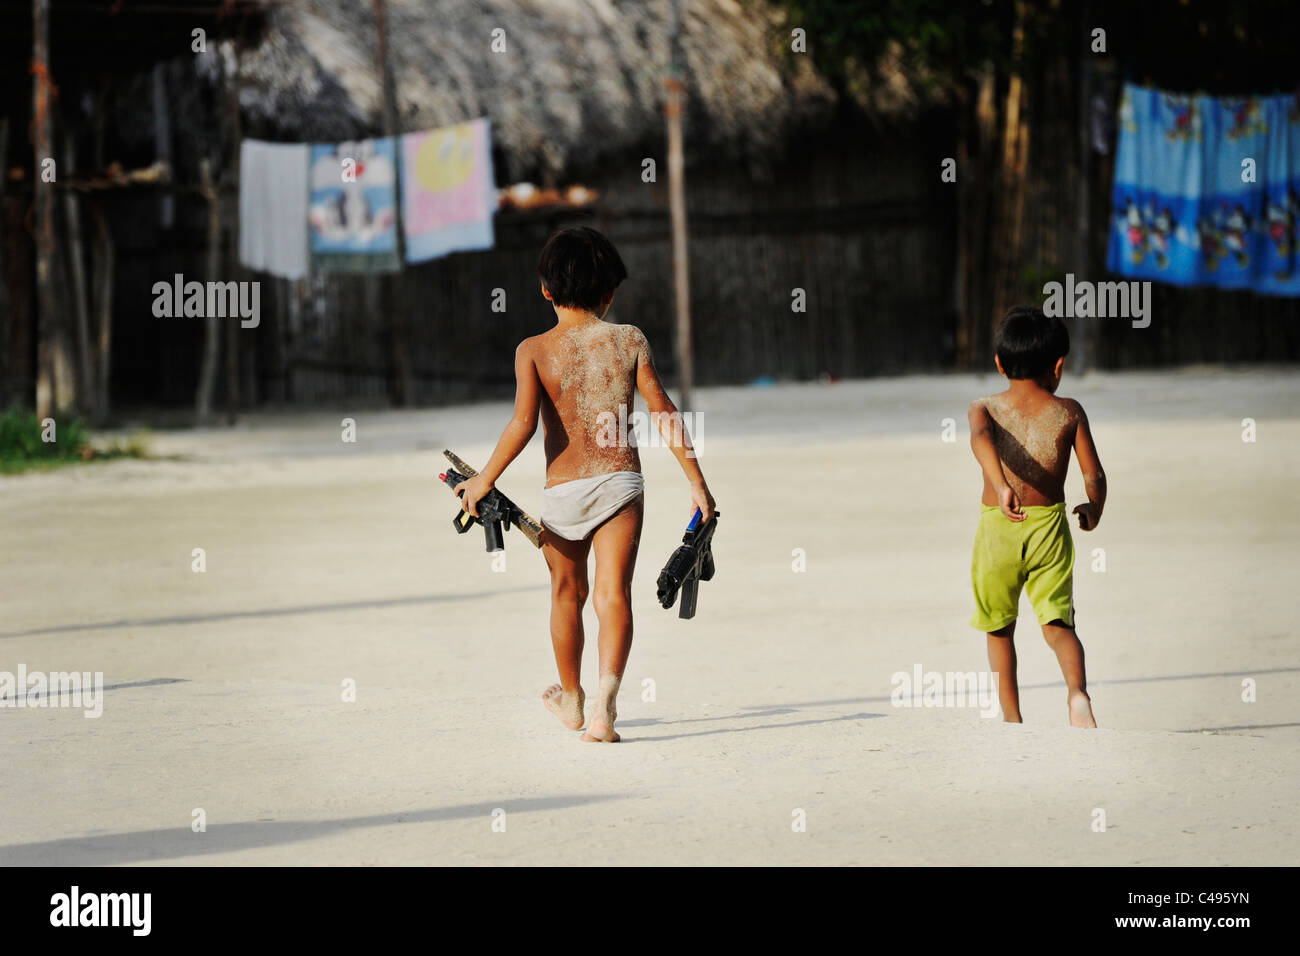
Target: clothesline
pixel 333 207
pixel 1207 190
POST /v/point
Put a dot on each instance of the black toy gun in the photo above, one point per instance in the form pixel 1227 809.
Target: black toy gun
pixel 690 564
pixel 496 512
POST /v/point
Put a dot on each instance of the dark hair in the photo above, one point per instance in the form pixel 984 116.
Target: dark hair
pixel 1028 343
pixel 580 267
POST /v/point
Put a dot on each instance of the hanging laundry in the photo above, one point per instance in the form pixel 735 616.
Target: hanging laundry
pixel 273 207
pixel 448 190
pixel 1207 190
pixel 353 211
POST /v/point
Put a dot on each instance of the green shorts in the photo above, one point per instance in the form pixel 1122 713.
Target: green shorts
pixel 1036 554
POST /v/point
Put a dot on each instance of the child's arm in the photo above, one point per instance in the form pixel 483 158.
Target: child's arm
pixel 1094 478
pixel 520 429
pixel 986 453
pixel 669 422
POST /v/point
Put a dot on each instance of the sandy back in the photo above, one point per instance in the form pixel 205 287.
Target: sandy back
pixel 1033 438
pixel 586 371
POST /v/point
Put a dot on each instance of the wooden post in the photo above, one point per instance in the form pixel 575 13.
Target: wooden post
pixel 677 210
pixel 18 385
pixel 402 378
pixel 77 269
pixel 55 389
pixel 7 359
pixel 232 326
pixel 234 127
pixel 211 327
pixel 1083 260
pixel 102 266
pixel 162 142
pixel 965 173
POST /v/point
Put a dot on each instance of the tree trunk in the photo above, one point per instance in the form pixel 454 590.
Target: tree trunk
pixel 55 386
pixel 402 375
pixel 983 182
pixel 967 189
pixel 1007 239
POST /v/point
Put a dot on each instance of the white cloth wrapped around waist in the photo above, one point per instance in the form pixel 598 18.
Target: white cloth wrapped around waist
pixel 574 509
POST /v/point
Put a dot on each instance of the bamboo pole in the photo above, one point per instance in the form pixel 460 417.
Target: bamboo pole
pixel 677 210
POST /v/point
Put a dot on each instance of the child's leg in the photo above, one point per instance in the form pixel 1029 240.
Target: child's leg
pixel 1069 654
pixel 568 563
pixel 1002 661
pixel 615 542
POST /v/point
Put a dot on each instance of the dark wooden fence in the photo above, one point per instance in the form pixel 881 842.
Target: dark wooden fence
pixel 858 224
pixel 857 218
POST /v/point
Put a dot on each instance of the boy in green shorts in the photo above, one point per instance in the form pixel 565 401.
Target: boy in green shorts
pixel 1022 439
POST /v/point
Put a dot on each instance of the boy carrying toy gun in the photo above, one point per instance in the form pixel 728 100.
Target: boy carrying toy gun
pixel 690 564
pixel 496 512
pixel 572 380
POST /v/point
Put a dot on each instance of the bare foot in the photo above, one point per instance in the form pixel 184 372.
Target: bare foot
pixel 1081 711
pixel 567 707
pixel 600 728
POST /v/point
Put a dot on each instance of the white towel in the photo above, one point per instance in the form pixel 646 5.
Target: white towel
pixel 574 509
pixel 273 198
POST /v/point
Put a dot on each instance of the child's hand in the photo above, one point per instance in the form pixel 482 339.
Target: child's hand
pixel 473 491
pixel 1010 504
pixel 700 498
pixel 1089 515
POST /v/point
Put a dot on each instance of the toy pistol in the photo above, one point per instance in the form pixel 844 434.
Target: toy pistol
pixel 496 512
pixel 690 564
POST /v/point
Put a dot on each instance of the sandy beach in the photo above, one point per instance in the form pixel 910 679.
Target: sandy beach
pixel 330 562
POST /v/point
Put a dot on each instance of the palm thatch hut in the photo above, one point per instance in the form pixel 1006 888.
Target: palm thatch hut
pixel 791 193
pixel 819 236
pixel 568 84
pixel 61 64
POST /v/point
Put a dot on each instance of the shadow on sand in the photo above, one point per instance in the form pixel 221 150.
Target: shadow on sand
pixel 1054 685
pixel 271 612
pixel 178 842
pixel 730 730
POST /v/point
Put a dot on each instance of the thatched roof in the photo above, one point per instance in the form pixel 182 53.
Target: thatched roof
pixel 581 81
pixel 92 39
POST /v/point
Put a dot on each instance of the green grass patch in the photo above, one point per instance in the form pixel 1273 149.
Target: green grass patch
pixel 24 445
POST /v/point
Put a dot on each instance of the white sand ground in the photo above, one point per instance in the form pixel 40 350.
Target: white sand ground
pixel 328 562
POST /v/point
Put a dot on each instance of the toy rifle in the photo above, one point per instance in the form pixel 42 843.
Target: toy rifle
pixel 496 512
pixel 690 564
